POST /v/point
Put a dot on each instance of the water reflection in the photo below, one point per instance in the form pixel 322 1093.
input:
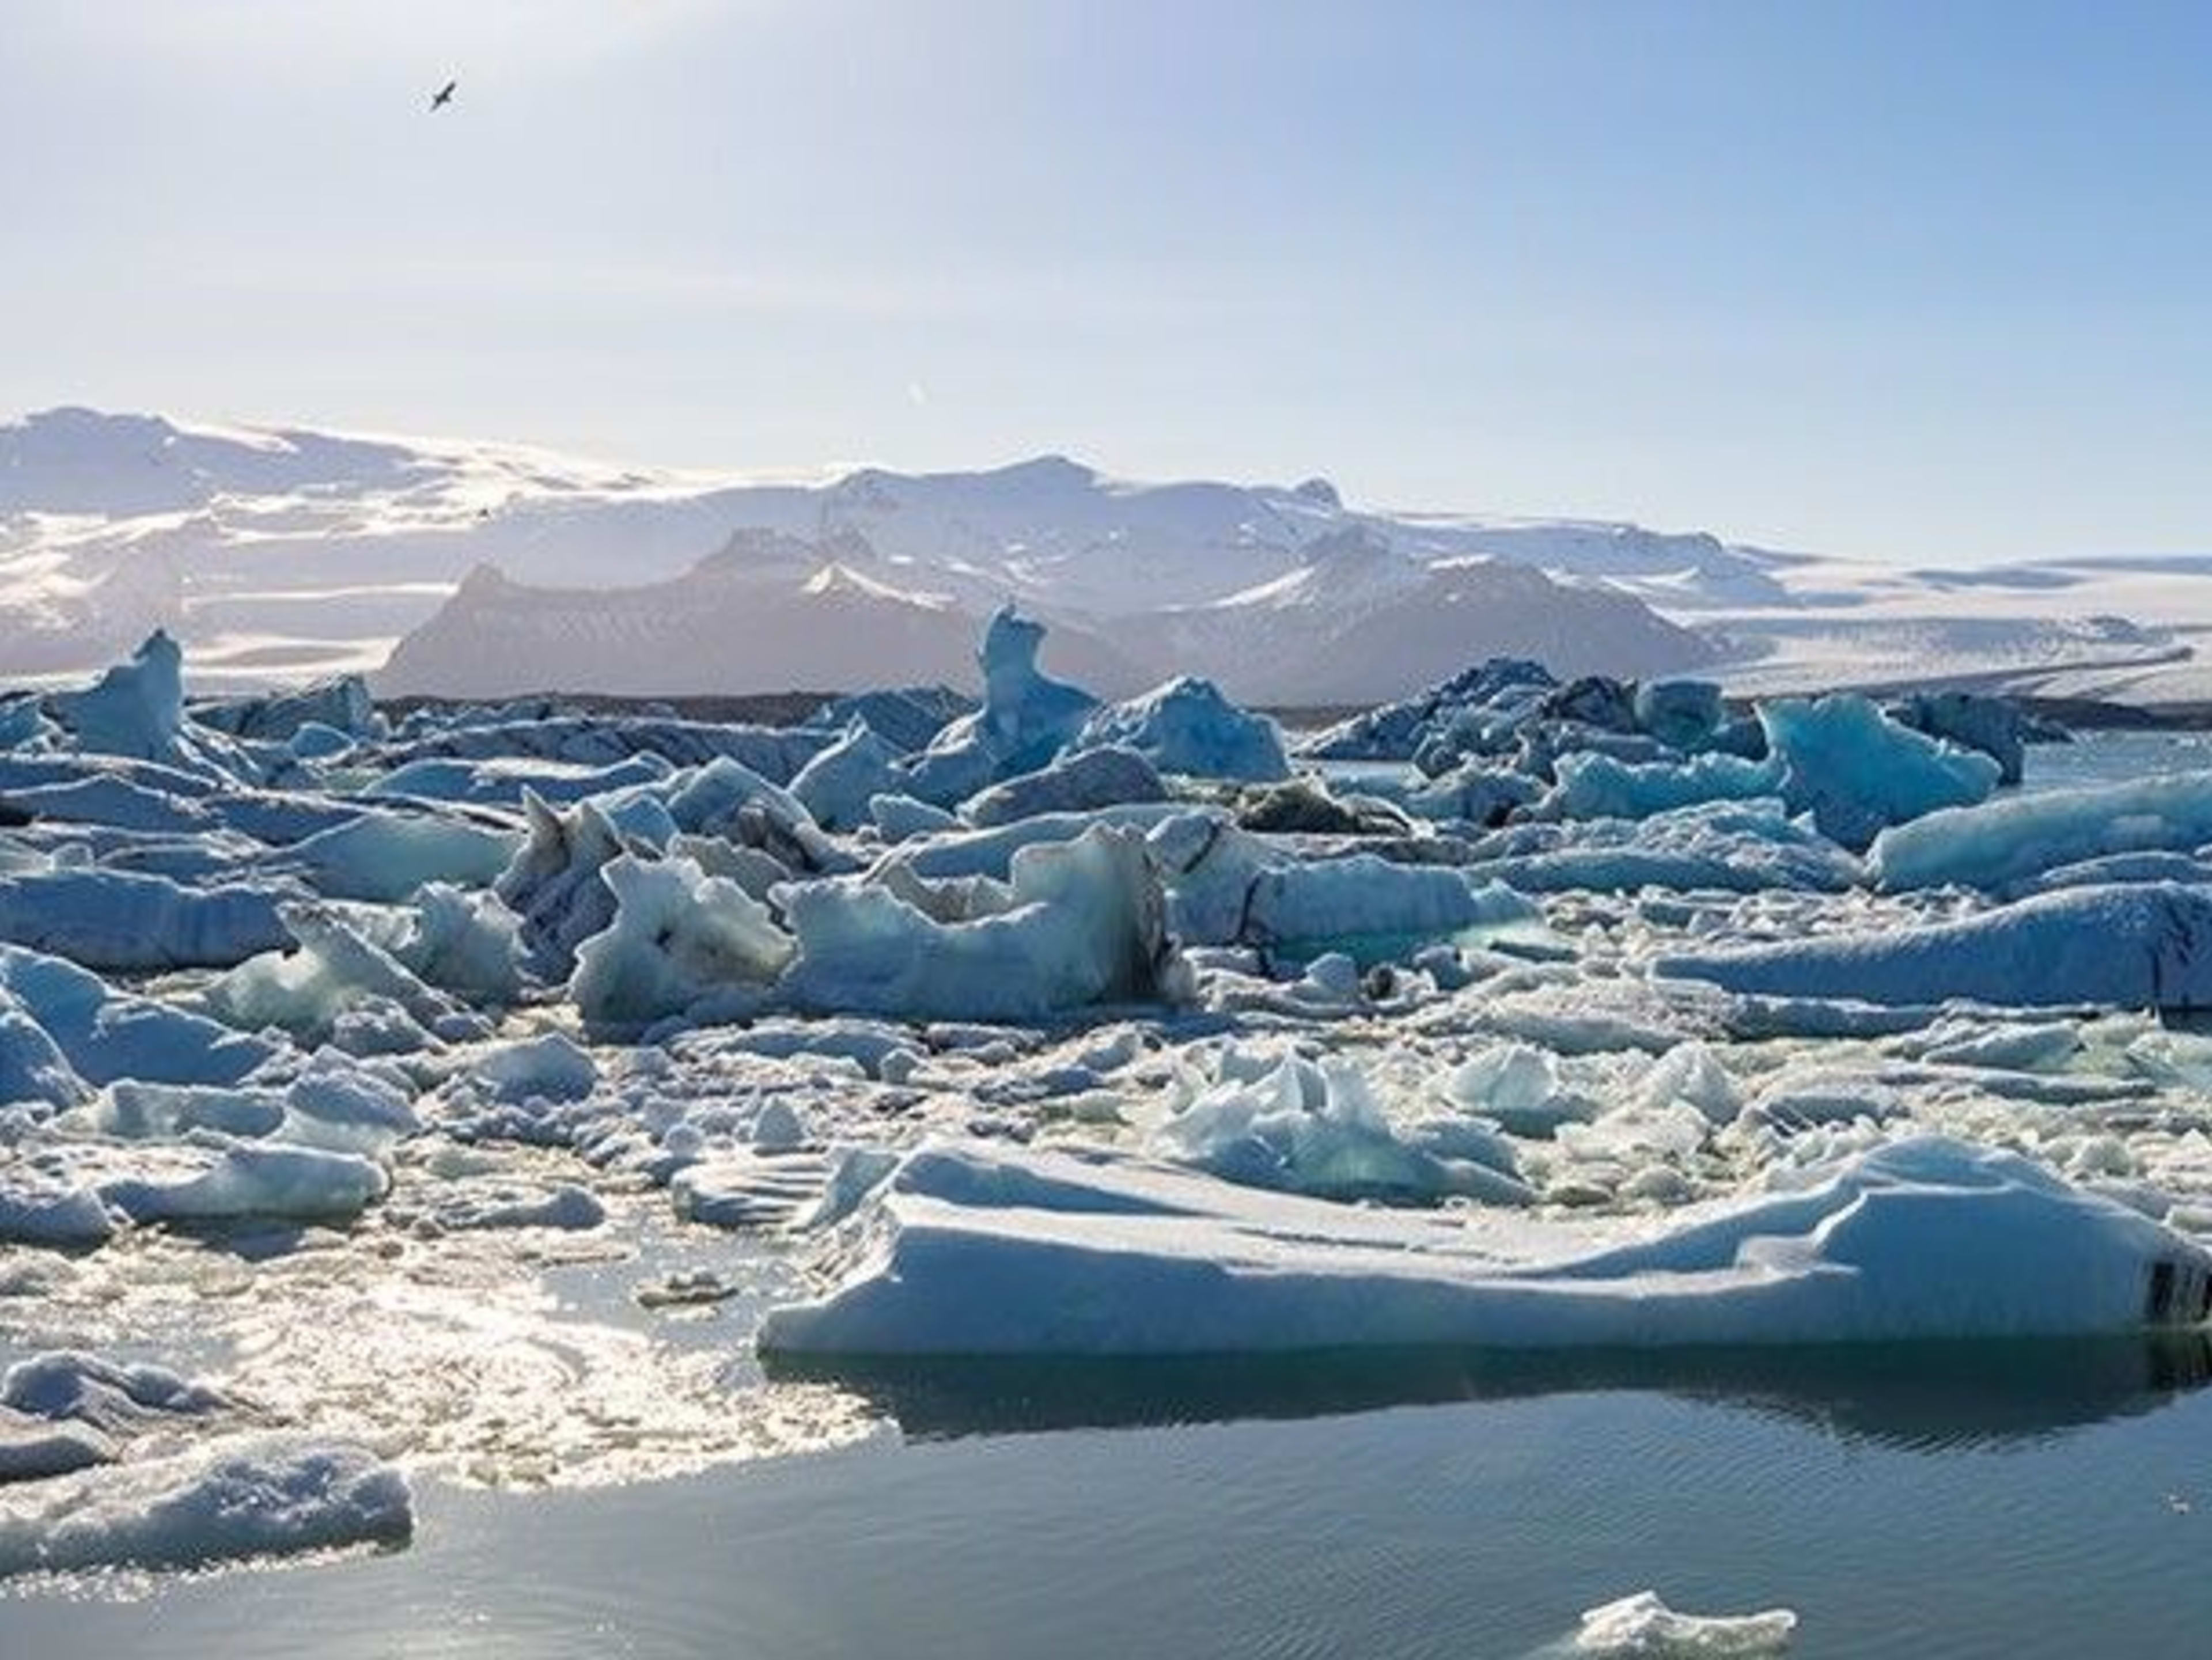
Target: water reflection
pixel 1917 1396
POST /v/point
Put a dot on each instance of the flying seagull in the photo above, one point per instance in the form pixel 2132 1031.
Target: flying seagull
pixel 444 95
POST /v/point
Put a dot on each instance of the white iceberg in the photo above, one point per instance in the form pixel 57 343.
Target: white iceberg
pixel 1643 1624
pixel 677 937
pixel 1083 924
pixel 2131 947
pixel 1997 844
pixel 117 920
pixel 1188 726
pixel 986 1249
pixel 231 1501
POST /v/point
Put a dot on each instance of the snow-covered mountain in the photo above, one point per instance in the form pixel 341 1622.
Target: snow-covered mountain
pixel 768 612
pixel 280 553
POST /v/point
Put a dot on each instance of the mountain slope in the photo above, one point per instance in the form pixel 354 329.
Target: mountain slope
pixel 279 553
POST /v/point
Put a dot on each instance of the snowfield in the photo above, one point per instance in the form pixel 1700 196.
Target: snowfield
pixel 338 1049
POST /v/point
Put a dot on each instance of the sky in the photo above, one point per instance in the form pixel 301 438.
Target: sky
pixel 1910 281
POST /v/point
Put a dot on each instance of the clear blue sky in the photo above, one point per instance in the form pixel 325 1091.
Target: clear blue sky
pixel 1919 280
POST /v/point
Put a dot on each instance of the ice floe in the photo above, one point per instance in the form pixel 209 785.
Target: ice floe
pixel 1521 1015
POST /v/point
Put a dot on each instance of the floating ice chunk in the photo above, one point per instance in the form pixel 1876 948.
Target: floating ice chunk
pixel 1077 783
pixel 342 704
pixel 1808 1094
pixel 550 733
pixel 1595 785
pixel 313 741
pixel 1737 845
pixel 1682 715
pixel 679 936
pixel 838 785
pixel 385 856
pixel 991 852
pixel 32 1066
pixel 770 1187
pixel 1997 726
pixel 906 719
pixel 1690 1073
pixel 248 1179
pixel 135 709
pixel 35 1211
pixel 478 1207
pixel 229 1502
pixel 1493 696
pixel 728 798
pixel 1026 716
pixel 1366 905
pixel 901 817
pixel 552 1067
pixel 1318 1129
pixel 2128 947
pixel 338 1102
pixel 463 942
pixel 107 1034
pixel 1101 1255
pixel 115 1398
pixel 1519 1086
pixel 503 781
pixel 114 919
pixel 2116 867
pixel 1471 794
pixel 109 799
pixel 1087 926
pixel 1858 771
pixel 2000 844
pixel 2016 1046
pixel 553 882
pixel 1187 725
pixel 1643 1624
pixel 33 1449
pixel 335 969
pixel 132 1110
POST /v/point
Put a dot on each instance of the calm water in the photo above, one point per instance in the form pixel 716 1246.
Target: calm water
pixel 1946 1502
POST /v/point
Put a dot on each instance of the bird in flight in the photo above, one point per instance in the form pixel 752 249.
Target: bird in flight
pixel 444 95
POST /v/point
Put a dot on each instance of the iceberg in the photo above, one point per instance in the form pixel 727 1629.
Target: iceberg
pixel 32 1064
pixel 1643 1624
pixel 1465 714
pixel 837 786
pixel 113 920
pixel 1996 845
pixel 107 1033
pixel 1858 771
pixel 677 937
pixel 1080 783
pixel 1188 726
pixel 1026 717
pixel 383 856
pixel 236 1499
pixel 254 1179
pixel 1363 904
pixel 1591 785
pixel 2129 946
pixel 335 968
pixel 980 1249
pixel 553 882
pixel 1085 924
pixel 138 710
